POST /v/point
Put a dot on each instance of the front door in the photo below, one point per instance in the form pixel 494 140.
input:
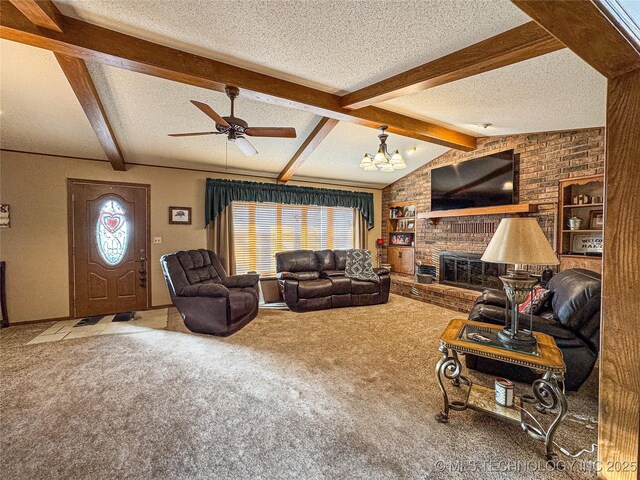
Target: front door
pixel 109 242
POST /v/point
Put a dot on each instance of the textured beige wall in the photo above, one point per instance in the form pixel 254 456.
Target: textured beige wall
pixel 36 248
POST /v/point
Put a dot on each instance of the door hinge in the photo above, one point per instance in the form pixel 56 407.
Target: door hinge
pixel 73 197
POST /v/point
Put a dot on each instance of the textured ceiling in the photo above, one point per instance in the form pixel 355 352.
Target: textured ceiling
pixel 557 91
pixel 40 112
pixel 338 156
pixel 144 109
pixel 334 45
pixel 337 46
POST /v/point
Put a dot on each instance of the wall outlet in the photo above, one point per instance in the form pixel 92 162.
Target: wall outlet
pixel 157 239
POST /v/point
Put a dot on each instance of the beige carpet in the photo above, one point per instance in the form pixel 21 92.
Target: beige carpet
pixel 345 393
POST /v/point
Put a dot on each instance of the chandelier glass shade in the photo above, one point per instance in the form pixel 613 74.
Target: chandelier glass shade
pixel 383 161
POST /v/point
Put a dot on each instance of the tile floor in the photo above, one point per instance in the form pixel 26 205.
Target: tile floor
pixel 66 329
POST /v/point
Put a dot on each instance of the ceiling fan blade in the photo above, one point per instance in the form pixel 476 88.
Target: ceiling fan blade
pixel 271 132
pixel 209 112
pixel 192 134
pixel 244 146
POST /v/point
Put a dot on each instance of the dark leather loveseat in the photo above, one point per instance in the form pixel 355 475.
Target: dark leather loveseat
pixel 571 317
pixel 312 280
pixel 209 300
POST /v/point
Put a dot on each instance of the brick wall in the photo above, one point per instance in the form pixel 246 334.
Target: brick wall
pixel 541 160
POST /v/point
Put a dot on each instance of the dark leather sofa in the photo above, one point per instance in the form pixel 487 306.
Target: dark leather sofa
pixel 209 300
pixel 571 317
pixel 312 280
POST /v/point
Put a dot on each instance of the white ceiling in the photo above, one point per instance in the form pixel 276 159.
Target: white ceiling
pixel 338 46
pixel 40 112
pixel 144 109
pixel 335 45
pixel 557 91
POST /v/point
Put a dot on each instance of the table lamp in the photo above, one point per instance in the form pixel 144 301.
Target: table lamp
pixel 518 241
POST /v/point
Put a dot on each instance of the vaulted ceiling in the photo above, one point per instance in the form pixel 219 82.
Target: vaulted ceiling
pixel 336 47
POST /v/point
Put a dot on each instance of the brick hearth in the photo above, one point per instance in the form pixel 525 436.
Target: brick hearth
pixel 454 298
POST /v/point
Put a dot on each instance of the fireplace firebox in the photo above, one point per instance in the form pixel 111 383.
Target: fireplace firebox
pixel 466 270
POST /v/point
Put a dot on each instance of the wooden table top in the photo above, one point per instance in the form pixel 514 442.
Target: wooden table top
pixel 549 358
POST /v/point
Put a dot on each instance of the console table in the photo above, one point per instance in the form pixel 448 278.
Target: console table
pixel 548 398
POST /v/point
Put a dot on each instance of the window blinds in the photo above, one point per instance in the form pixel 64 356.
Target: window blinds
pixel 262 229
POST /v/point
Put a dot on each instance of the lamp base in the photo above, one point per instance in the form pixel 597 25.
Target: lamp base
pixel 519 340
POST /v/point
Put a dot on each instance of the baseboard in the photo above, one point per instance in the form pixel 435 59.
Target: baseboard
pixel 58 319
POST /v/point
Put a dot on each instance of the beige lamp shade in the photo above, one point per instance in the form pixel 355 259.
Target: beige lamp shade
pixel 520 241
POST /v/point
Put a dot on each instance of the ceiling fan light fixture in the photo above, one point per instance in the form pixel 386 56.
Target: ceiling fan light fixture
pixel 383 161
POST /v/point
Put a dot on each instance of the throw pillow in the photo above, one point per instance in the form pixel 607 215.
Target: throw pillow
pixel 536 301
pixel 360 266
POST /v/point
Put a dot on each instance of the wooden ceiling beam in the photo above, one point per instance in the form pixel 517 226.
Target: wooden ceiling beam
pixel 82 84
pixel 598 31
pixel 319 133
pixel 91 42
pixel 45 14
pixel 516 45
pixel 42 13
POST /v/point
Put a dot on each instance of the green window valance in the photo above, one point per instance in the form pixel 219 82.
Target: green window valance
pixel 220 193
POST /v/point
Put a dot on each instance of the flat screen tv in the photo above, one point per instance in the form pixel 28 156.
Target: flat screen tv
pixel 481 182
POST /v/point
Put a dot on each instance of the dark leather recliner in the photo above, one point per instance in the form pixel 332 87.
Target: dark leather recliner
pixel 209 300
pixel 571 317
pixel 312 280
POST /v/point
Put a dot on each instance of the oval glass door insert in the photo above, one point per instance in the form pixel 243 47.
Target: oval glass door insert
pixel 112 232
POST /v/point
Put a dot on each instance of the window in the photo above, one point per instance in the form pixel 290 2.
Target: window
pixel 262 229
pixel 112 232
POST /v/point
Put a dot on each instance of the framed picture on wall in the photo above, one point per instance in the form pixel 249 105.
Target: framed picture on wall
pixel 180 215
pixel 5 219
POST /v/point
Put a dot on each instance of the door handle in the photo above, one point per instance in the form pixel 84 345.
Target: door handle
pixel 143 272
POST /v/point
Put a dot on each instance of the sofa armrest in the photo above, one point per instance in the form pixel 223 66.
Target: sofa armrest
pixel 205 290
pixel 241 281
pixel 310 275
pixel 382 271
pixel 492 296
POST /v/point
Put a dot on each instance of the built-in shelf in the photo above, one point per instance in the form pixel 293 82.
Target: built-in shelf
pixel 580 255
pixel 584 205
pixel 519 208
pixel 402 218
pixel 582 231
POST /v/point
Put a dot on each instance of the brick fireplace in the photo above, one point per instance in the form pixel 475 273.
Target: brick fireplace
pixel 541 160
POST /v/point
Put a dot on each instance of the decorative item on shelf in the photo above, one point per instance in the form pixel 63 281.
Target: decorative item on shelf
pixel 379 246
pixel 5 218
pixel 180 215
pixel 504 392
pixel 409 211
pixel 518 241
pixel 589 243
pixel 596 219
pixel 596 200
pixel 574 222
pixel 410 225
pixel 401 239
pixel 582 200
pixel 382 160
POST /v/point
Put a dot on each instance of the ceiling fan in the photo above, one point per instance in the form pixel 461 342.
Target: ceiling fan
pixel 235 128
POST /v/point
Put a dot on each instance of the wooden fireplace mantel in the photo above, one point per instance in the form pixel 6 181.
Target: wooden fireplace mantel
pixel 517 209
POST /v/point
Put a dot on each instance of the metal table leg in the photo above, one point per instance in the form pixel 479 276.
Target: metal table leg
pixel 548 396
pixel 450 368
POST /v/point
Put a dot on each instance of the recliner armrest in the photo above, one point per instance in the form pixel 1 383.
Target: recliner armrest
pixel 310 275
pixel 382 271
pixel 205 290
pixel 492 296
pixel 241 281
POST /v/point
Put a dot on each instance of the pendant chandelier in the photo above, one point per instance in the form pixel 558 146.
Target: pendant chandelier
pixel 382 161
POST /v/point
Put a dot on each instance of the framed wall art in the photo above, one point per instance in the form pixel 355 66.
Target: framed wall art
pixel 5 218
pixel 180 215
